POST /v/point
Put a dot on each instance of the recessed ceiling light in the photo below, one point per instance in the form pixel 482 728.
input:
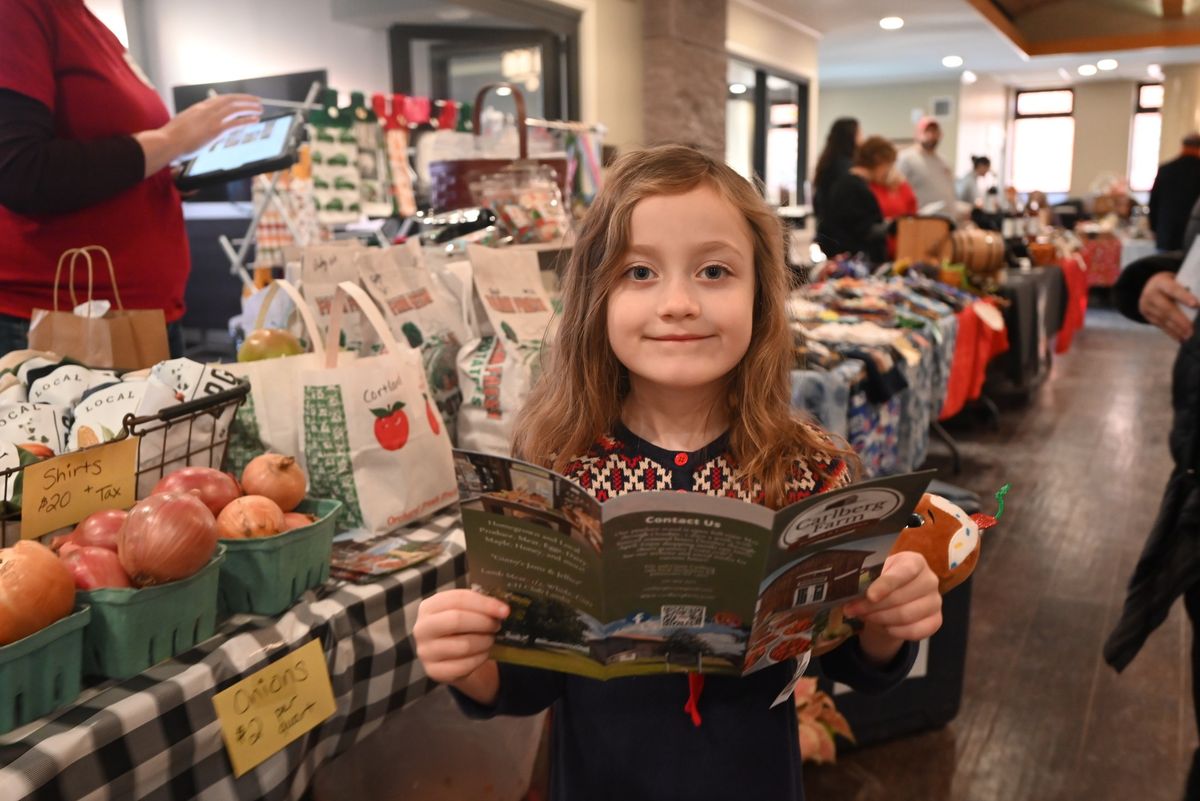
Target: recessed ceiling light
pixel 891 23
pixel 1107 64
pixel 1087 70
pixel 737 88
pixel 969 77
pixel 1155 71
pixel 952 61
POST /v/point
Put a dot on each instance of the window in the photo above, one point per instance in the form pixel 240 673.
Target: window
pixel 1043 141
pixel 1147 137
pixel 764 115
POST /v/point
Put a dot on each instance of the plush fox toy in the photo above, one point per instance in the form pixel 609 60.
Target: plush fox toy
pixel 947 537
pixel 949 540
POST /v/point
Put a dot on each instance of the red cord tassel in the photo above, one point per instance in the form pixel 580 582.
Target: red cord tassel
pixel 695 689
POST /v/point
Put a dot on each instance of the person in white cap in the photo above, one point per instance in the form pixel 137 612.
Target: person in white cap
pixel 930 177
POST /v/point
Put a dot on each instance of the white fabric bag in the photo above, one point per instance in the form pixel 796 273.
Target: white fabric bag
pixel 269 420
pixel 371 434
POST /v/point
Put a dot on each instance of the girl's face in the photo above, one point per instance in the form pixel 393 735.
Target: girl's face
pixel 681 313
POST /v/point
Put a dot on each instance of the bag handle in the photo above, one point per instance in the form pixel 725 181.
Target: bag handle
pixel 306 315
pixel 349 290
pixel 75 253
pixel 522 128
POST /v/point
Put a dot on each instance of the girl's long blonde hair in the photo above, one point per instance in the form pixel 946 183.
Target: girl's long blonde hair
pixel 580 393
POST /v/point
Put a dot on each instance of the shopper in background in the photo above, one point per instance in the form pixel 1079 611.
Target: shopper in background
pixel 1169 566
pixel 853 220
pixel 930 177
pixel 680 382
pixel 836 159
pixel 1176 189
pixel 896 199
pixel 85 151
pixel 973 187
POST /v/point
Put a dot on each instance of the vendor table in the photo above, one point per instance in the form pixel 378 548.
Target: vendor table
pixel 156 736
pixel 1037 301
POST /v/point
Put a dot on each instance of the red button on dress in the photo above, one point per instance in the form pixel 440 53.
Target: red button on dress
pixel 680 459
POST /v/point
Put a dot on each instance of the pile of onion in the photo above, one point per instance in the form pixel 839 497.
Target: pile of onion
pixel 167 537
pixel 35 590
pixel 276 477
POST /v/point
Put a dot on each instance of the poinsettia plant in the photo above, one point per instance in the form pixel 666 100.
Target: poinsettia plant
pixel 819 722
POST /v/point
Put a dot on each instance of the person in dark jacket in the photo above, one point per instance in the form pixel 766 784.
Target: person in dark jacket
pixel 853 221
pixel 1176 189
pixel 836 159
pixel 1169 566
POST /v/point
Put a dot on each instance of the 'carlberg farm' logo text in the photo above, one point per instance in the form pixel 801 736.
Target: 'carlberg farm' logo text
pixel 840 514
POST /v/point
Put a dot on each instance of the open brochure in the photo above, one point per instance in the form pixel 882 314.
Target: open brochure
pixel 653 582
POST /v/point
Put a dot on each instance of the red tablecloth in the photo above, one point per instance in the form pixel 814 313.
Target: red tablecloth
pixel 977 344
pixel 1076 281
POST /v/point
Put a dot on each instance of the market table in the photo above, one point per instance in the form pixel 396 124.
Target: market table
pixel 156 736
pixel 1037 301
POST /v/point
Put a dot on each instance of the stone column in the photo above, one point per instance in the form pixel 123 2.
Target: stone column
pixel 684 73
pixel 1181 107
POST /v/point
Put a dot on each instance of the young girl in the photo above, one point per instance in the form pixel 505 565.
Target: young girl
pixel 670 372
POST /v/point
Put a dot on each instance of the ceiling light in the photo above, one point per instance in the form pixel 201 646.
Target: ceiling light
pixel 1155 71
pixel 969 77
pixel 1087 70
pixel 503 91
pixel 952 61
pixel 1107 64
pixel 891 23
pixel 737 88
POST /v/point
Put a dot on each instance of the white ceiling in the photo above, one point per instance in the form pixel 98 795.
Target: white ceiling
pixel 854 50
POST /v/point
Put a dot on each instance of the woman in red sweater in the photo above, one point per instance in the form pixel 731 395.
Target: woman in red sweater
pixel 896 199
pixel 85 149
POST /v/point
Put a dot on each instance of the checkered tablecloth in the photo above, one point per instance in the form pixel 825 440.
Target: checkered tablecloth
pixel 156 736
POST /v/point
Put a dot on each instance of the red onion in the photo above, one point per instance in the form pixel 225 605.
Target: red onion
pixel 216 489
pixel 94 568
pixel 167 537
pixel 99 529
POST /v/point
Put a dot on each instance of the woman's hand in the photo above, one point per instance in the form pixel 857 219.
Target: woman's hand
pixel 195 126
pixel 902 605
pixel 454 631
pixel 1160 301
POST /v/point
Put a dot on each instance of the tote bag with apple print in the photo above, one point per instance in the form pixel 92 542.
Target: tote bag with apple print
pixel 371 433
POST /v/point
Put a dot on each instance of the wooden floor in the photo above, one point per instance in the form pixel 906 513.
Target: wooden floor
pixel 1043 718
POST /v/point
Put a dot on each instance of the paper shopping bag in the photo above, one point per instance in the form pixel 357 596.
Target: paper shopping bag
pixel 269 420
pixel 121 339
pixel 371 433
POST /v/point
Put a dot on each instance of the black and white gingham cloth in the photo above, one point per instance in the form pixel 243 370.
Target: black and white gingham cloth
pixel 156 736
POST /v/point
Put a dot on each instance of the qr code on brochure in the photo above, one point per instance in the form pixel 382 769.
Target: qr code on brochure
pixel 680 615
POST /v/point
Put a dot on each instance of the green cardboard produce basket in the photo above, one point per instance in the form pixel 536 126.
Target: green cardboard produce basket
pixel 134 629
pixel 266 575
pixel 43 671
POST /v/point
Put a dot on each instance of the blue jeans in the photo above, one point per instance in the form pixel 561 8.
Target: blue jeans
pixel 14 335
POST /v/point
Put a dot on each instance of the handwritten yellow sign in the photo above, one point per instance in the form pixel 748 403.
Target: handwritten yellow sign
pixel 265 711
pixel 65 489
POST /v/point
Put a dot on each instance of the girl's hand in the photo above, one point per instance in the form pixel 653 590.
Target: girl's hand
pixel 454 631
pixel 1160 301
pixel 903 604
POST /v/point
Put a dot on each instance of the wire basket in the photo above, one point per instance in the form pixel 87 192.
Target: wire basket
pixel 190 434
